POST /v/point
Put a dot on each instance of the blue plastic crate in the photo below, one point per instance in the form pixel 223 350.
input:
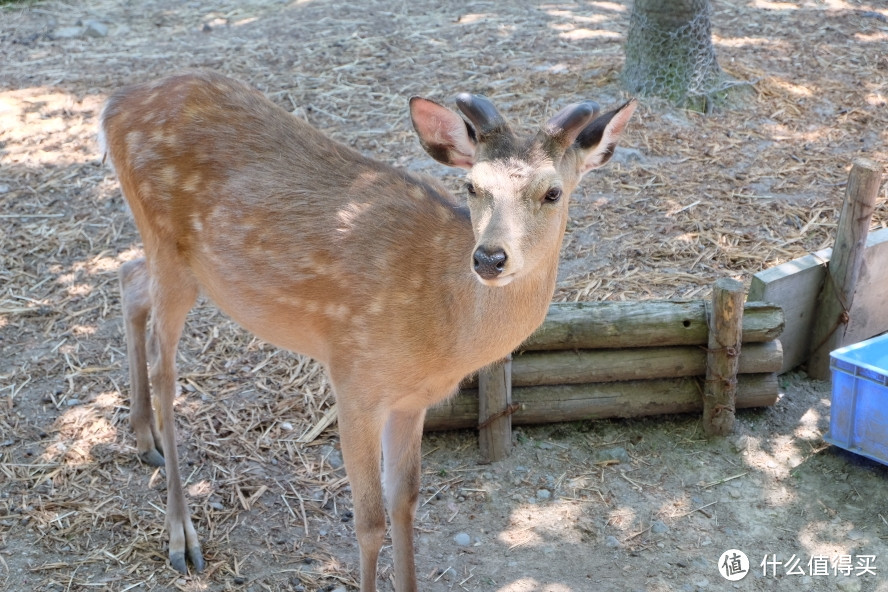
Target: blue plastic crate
pixel 859 415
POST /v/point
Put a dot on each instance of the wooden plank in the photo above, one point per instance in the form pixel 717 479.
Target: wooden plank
pixel 648 323
pixel 576 402
pixel 494 410
pixel 837 293
pixel 723 357
pixel 794 287
pixel 639 363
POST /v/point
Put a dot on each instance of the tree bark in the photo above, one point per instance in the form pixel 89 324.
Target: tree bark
pixel 649 323
pixel 669 52
pixel 576 402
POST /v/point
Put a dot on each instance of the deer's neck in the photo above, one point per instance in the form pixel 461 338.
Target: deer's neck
pixel 491 322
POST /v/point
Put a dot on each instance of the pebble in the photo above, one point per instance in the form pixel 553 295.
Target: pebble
pixel 740 443
pixel 612 542
pixel 67 33
pixel 659 527
pixel 72 402
pixel 544 494
pixel 333 456
pixel 4 188
pixel 96 28
pixel 848 585
pixel 618 453
pixel 287 426
pixel 462 539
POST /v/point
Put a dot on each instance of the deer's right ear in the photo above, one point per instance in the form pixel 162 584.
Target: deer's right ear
pixel 443 134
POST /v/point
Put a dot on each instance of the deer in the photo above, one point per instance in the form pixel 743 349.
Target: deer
pixel 399 288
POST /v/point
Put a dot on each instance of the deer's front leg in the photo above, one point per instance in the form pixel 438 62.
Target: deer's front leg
pixel 402 454
pixel 359 433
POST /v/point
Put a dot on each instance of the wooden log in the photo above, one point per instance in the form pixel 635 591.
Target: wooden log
pixel 837 293
pixel 794 286
pixel 641 363
pixel 723 357
pixel 611 325
pixel 577 402
pixel 495 410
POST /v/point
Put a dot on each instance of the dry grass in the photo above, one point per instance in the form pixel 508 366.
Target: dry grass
pixel 696 198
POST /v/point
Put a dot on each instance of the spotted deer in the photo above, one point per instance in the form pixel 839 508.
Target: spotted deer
pixel 380 274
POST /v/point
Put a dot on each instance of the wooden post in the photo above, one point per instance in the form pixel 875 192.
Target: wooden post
pixel 723 357
pixel 495 410
pixel 837 293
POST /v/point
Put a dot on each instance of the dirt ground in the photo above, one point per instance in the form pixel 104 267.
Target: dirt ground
pixel 635 505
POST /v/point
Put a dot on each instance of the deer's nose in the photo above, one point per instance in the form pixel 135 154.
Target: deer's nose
pixel 489 262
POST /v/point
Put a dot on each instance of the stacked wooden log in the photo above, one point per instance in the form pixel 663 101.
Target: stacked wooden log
pixel 624 359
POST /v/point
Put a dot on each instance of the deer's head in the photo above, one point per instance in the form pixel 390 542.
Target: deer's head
pixel 517 187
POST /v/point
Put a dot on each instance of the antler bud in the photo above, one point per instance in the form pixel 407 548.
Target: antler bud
pixel 483 115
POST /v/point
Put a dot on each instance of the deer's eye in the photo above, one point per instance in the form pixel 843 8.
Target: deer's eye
pixel 553 195
pixel 470 189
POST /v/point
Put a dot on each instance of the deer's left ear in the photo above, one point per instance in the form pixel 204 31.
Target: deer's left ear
pixel 598 140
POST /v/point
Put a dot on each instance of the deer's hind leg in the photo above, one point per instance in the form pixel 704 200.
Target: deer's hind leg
pixel 135 292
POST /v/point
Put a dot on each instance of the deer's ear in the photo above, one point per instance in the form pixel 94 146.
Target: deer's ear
pixel 443 134
pixel 598 140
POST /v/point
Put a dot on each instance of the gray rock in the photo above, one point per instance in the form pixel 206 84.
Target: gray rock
pixel 659 527
pixel 95 28
pixel 617 453
pixel 462 539
pixel 629 156
pixel 544 494
pixel 67 33
pixel 848 585
pixel 72 402
pixel 333 456
pixel 4 188
pixel 612 542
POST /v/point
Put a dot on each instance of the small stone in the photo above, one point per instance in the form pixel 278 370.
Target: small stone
pixel 340 589
pixel 855 535
pixel 333 457
pixel 96 28
pixel 4 188
pixel 287 426
pixel 848 585
pixel 618 453
pixel 216 506
pixel 72 402
pixel 659 527
pixel 462 539
pixel 544 494
pixel 740 443
pixel 67 33
pixel 612 541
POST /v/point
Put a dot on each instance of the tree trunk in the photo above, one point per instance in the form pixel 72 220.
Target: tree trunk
pixel 669 52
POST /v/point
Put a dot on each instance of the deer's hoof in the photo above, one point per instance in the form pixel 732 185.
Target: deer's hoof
pixel 177 560
pixel 197 560
pixel 152 457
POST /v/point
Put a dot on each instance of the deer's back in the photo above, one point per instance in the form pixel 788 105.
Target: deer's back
pixel 300 239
